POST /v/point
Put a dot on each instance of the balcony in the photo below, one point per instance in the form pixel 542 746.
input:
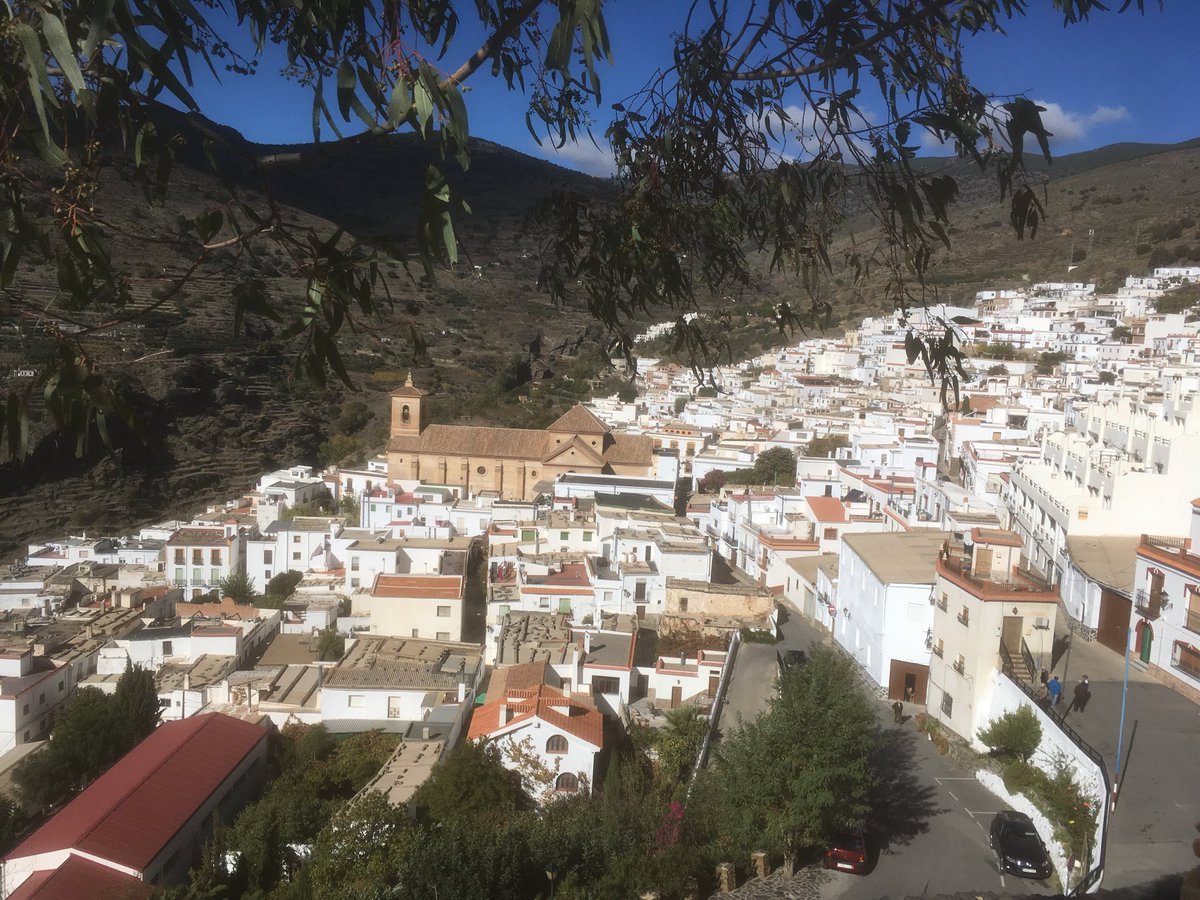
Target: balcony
pixel 963 619
pixel 959 666
pixel 941 604
pixel 938 651
pixel 1148 604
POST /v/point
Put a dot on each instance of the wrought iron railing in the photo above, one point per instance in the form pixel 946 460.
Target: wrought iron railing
pixel 1148 603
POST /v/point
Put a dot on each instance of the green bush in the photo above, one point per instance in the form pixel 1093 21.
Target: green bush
pixel 1015 733
pixel 757 636
pixel 1021 778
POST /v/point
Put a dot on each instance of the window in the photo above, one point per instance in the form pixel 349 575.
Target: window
pixel 269 557
pixel 965 616
pixel 215 575
pixel 415 633
pixel 830 534
pixel 528 534
pixel 683 604
pixel 41 699
pixel 197 557
pixel 405 414
pixel 216 557
pixel 481 470
pixel 356 701
pixel 442 636
pixel 295 538
pixel 354 582
pixel 267 574
pixel 26 709
pixel 60 687
pixel 639 592
pixel 939 648
pixel 354 564
pixel 556 743
pixel 443 612
pixel 587 535
pixel 543 602
pixel 180 576
pixel 566 782
pixel 947 705
pixel 179 557
pixel 1186 658
pixel 296 555
pixel 167 648
pixel 197 575
pixel 960 664
pixel 394 707
pixel 606 685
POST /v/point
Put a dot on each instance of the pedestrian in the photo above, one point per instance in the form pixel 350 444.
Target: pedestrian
pixel 1082 694
pixel 898 712
pixel 1054 686
pixel 1045 676
pixel 1043 696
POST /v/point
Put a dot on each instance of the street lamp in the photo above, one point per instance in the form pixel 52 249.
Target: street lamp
pixel 552 876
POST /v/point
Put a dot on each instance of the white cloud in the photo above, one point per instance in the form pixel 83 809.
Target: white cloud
pixel 583 156
pixel 1068 126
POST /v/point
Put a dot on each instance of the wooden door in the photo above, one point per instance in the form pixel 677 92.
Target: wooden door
pixel 714 681
pixel 983 562
pixel 1112 627
pixel 676 696
pixel 1011 635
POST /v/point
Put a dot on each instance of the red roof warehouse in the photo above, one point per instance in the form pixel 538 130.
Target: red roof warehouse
pixel 145 819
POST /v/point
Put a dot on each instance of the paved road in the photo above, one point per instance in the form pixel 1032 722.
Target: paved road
pixel 931 813
pixel 1159 802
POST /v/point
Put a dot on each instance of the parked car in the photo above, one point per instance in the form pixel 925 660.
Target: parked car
pixel 848 852
pixel 1018 847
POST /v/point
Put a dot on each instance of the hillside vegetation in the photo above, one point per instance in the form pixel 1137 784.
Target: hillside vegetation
pixel 219 408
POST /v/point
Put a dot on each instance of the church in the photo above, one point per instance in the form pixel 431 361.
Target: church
pixel 511 462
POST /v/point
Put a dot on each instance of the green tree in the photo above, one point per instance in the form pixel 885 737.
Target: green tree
pixel 470 779
pixel 359 853
pixel 681 404
pixel 348 507
pixel 998 369
pixel 776 465
pixel 1108 378
pixel 826 446
pixel 281 586
pixel 353 417
pixel 135 704
pixel 803 769
pixel 1017 733
pixel 239 587
pixel 13 823
pixel 79 87
pixel 678 742
pixel 627 393
pixel 337 448
pixel 1048 362
pixel 331 645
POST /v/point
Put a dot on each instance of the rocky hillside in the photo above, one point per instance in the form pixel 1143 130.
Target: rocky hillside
pixel 217 409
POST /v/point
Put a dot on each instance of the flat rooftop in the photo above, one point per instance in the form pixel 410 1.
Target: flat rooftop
pixel 393 662
pixel 899 557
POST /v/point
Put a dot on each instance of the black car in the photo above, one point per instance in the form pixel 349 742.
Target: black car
pixel 1018 848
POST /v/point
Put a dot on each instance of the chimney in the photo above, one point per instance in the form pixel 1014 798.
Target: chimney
pixel 758 864
pixel 503 713
pixel 587 642
pixel 424 732
pixel 187 681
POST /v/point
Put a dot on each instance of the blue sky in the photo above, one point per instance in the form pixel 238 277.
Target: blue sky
pixel 1116 78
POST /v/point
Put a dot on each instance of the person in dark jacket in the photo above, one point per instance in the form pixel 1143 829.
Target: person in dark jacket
pixel 1082 694
pixel 898 712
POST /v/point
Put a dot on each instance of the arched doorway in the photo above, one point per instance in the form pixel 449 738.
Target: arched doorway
pixel 1145 640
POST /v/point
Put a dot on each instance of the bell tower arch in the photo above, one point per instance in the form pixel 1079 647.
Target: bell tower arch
pixel 408 410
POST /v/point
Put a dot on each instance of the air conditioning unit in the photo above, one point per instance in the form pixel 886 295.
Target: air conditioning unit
pixel 1041 622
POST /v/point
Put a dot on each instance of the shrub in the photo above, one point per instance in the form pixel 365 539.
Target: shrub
pixel 758 636
pixel 1021 778
pixel 1016 733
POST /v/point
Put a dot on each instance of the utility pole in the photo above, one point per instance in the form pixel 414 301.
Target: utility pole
pixel 1121 729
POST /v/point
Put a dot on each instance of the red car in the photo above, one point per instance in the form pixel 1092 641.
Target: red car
pixel 848 852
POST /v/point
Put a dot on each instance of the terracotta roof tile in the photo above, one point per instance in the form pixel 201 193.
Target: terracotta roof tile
pixel 81 877
pixel 827 509
pixel 578 420
pixel 542 702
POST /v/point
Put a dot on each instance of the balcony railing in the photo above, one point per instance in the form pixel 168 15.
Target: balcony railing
pixel 963 619
pixel 941 604
pixel 959 666
pixel 1148 604
pixel 938 651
